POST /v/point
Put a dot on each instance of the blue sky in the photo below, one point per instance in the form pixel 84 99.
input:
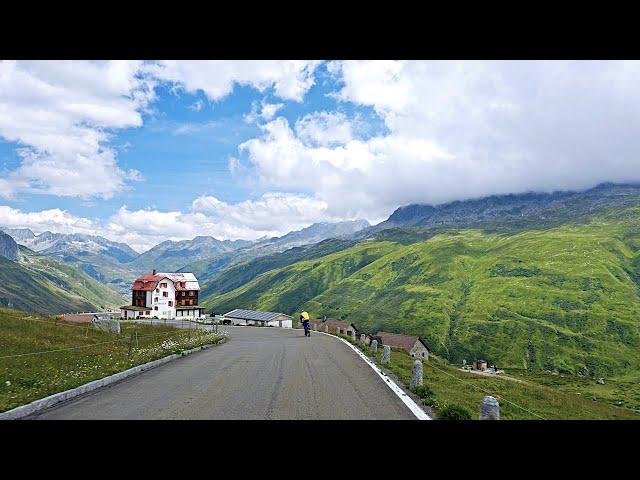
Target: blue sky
pixel 147 151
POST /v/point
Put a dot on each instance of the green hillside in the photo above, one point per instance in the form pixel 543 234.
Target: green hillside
pixel 42 284
pixel 564 298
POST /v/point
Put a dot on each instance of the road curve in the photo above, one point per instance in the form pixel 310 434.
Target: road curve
pixel 260 373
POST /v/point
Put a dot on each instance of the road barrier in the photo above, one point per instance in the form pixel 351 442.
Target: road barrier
pixel 416 375
pixel 489 408
pixel 386 354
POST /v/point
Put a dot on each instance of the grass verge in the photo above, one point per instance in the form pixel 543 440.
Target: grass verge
pixel 77 354
pixel 519 400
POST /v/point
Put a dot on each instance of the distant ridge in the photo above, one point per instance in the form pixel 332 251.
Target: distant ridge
pixel 524 209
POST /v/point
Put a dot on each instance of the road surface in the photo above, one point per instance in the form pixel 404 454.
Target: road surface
pixel 260 373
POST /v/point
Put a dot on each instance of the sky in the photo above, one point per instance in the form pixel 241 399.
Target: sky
pixel 144 151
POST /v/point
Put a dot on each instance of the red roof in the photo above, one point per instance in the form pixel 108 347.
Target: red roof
pixel 333 324
pixel 147 282
pixel 78 317
pixel 405 342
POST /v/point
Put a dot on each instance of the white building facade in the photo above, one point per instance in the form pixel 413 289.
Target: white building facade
pixel 164 295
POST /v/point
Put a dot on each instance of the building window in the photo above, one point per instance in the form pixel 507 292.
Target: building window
pixel 165 294
pixel 155 308
pixel 147 313
pixel 157 290
pixel 170 303
pixel 163 285
pixel 155 300
pixel 184 294
pixel 191 293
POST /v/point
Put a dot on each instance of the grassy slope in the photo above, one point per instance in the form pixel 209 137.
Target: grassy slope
pixel 557 299
pixel 528 400
pixel 37 376
pixel 43 284
pixel 243 272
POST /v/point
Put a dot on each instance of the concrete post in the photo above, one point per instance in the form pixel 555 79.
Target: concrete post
pixel 326 328
pixel 489 408
pixel 386 354
pixel 353 335
pixel 362 337
pixel 374 347
pixel 416 375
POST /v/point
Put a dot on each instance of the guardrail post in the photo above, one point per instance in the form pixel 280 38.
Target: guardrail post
pixel 489 408
pixel 386 354
pixel 374 347
pixel 416 375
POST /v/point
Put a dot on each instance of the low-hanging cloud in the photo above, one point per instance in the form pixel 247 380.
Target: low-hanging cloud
pixel 459 130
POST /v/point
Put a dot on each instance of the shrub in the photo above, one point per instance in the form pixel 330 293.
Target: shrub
pixel 426 394
pixel 453 412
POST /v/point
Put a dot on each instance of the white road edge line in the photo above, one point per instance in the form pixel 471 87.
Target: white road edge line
pixel 406 399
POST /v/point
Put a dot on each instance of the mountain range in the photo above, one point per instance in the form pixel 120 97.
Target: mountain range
pixel 116 265
pixel 40 283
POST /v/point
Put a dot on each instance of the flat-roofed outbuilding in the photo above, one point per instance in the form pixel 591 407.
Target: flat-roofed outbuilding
pixel 257 317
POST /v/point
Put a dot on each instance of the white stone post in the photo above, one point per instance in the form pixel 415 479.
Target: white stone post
pixel 326 328
pixel 489 408
pixel 353 335
pixel 374 347
pixel 386 354
pixel 362 337
pixel 416 375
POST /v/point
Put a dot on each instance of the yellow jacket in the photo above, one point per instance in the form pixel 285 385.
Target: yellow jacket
pixel 305 315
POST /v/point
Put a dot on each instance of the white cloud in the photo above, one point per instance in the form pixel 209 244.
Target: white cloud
pixel 63 114
pixel 290 79
pixel 53 220
pixel 197 106
pixel 60 113
pixel 324 129
pixel 458 130
pixel 262 111
pixel 273 214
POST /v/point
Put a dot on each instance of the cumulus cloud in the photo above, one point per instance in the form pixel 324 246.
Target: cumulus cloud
pixel 60 113
pixel 273 214
pixel 361 178
pixel 458 130
pixel 262 111
pixel 324 129
pixel 63 114
pixel 289 79
pixel 281 212
pixel 53 220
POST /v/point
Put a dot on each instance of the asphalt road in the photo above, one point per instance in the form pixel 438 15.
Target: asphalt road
pixel 260 373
